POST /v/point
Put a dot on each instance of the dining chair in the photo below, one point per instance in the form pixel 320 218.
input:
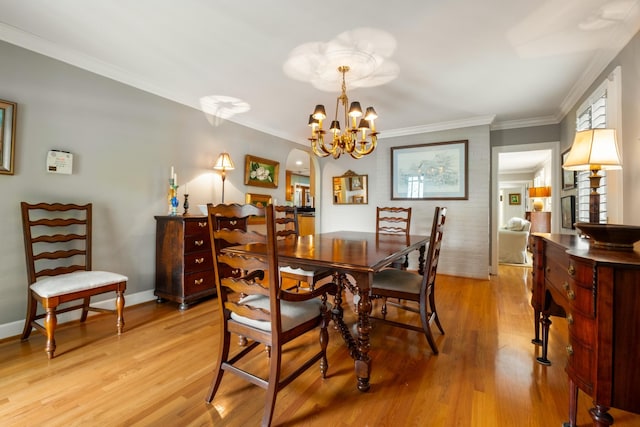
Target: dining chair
pixel 394 221
pixel 58 251
pixel 416 292
pixel 287 227
pixel 255 306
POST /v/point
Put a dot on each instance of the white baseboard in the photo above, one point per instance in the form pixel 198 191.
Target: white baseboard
pixel 15 328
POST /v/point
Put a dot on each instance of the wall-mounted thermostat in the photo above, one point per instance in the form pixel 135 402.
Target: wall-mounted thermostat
pixel 59 162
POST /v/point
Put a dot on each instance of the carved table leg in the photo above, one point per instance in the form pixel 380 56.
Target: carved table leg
pixel 546 323
pixel 120 311
pixel 363 362
pixel 421 260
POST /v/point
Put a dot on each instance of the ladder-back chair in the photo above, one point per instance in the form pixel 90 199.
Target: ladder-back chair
pixel 394 221
pixel 412 288
pixel 255 306
pixel 287 227
pixel 57 240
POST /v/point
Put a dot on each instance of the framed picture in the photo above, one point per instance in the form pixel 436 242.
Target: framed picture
pixel 435 171
pixel 259 200
pixel 261 172
pixel 568 209
pixel 568 177
pixel 355 183
pixel 514 198
pixel 7 136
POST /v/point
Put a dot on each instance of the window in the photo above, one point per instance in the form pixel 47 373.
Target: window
pixel 598 111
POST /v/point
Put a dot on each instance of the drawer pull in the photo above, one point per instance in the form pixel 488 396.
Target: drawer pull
pixel 565 286
pixel 548 270
pixel 198 281
pixel 571 295
pixel 570 319
pixel 202 224
pixel 199 242
pixel 199 260
pixel 571 270
pixel 569 350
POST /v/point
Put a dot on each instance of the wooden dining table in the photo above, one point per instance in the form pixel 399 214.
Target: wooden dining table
pixel 354 257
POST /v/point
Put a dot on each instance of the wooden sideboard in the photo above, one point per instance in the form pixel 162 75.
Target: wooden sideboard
pixel 599 293
pixel 184 265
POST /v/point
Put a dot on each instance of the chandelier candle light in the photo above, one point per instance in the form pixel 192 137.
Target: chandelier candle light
pixel 344 141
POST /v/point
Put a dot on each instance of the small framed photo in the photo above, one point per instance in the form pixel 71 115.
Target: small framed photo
pixel 355 183
pixel 514 198
pixel 7 136
pixel 261 172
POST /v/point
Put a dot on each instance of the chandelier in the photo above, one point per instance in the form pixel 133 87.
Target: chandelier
pixel 344 141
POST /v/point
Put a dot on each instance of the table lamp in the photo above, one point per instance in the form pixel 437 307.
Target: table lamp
pixel 594 150
pixel 537 193
pixel 224 163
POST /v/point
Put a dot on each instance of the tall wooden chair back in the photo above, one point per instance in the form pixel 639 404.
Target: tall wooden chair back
pixel 287 227
pixel 57 242
pixel 256 307
pixel 394 221
pixel 410 287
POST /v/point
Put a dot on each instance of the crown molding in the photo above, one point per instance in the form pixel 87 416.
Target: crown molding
pixel 435 127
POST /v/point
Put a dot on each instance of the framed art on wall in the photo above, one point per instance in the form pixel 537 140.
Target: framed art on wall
pixel 568 209
pixel 259 200
pixel 568 177
pixel 514 198
pixel 261 172
pixel 7 136
pixel 435 171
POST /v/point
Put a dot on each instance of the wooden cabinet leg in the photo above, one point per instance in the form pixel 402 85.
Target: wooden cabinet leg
pixel 546 323
pixel 601 416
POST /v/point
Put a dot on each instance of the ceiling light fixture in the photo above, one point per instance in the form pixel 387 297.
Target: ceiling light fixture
pixel 344 141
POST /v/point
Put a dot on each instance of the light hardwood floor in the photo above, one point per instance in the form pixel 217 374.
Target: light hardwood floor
pixel 158 371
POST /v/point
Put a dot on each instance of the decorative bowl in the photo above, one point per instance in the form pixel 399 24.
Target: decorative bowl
pixel 616 237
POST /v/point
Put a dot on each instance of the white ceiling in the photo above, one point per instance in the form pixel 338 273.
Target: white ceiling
pixel 432 64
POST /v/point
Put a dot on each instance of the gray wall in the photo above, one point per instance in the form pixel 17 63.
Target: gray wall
pixel 124 143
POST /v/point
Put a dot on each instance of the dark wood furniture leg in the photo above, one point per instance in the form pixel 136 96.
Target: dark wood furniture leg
pixel 537 319
pixel 546 323
pixel 422 250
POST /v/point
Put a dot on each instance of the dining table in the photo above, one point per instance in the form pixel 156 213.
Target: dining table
pixel 354 257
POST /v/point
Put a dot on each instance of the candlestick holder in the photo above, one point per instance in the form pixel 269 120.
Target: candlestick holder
pixel 186 205
pixel 172 198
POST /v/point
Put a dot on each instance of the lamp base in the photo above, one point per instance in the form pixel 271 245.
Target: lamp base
pixel 538 205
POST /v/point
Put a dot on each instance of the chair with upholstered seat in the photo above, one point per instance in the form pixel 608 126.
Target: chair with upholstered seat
pixel 416 292
pixel 394 221
pixel 255 306
pixel 58 250
pixel 287 227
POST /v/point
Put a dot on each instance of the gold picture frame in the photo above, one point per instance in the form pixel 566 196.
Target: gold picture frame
pixel 259 200
pixel 261 172
pixel 7 136
pixel 514 198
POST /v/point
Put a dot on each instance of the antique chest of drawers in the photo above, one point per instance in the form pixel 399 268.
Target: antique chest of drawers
pixel 184 265
pixel 599 293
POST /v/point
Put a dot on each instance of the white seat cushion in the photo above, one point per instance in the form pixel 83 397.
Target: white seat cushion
pixel 298 271
pixel 397 280
pixel 77 281
pixel 292 313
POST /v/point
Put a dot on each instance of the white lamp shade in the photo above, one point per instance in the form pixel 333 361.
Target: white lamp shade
pixel 594 149
pixel 224 162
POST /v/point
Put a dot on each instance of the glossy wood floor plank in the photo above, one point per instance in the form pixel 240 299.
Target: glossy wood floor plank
pixel 158 371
